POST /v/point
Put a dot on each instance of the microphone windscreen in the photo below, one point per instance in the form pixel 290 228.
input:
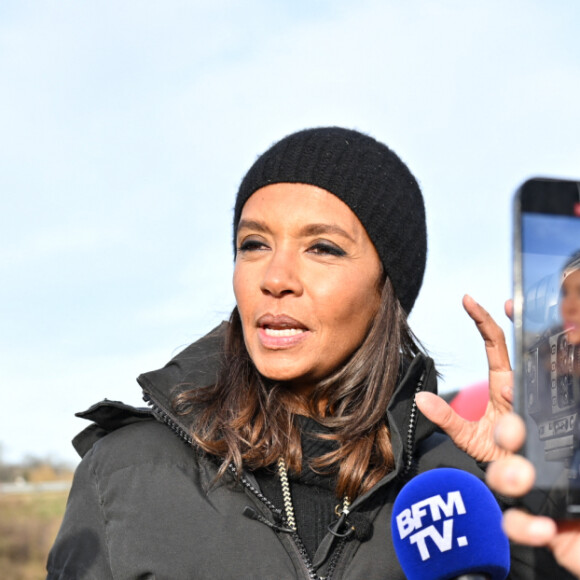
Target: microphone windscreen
pixel 446 523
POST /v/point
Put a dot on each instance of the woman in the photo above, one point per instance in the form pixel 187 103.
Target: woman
pixel 570 299
pixel 299 415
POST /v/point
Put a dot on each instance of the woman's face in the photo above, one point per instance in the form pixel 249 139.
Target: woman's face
pixel 306 281
pixel 570 306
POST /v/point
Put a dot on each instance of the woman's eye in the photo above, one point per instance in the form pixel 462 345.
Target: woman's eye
pixel 251 245
pixel 326 248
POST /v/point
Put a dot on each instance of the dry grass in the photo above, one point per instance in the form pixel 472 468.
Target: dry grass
pixel 29 523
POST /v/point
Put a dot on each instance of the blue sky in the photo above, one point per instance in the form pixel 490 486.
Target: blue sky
pixel 548 242
pixel 126 127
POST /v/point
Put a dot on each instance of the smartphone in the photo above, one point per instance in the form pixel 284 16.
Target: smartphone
pixel 547 339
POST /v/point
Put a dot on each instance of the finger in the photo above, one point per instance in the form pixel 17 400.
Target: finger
pixel 440 413
pixel 566 545
pixel 510 432
pixel 513 476
pixel 509 309
pixel 526 529
pixel 507 392
pixel 492 334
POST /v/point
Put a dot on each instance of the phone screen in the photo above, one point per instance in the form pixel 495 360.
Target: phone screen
pixel 547 324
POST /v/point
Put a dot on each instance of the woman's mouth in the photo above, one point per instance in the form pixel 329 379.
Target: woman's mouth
pixel 572 332
pixel 280 331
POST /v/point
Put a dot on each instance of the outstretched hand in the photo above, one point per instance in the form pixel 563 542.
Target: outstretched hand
pixel 514 476
pixel 477 437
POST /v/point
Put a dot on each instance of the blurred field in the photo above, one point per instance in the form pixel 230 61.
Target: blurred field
pixel 29 522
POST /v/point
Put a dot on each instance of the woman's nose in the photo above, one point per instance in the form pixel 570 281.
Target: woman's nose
pixel 570 306
pixel 281 275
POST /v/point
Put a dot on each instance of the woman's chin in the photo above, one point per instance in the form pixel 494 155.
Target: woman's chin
pixel 290 380
pixel 573 335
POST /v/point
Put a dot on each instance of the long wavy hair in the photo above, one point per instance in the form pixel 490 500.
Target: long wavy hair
pixel 250 421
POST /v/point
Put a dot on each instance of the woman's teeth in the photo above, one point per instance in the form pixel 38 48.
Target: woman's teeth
pixel 283 331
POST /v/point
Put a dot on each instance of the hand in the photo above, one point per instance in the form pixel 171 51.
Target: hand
pixel 477 437
pixel 514 476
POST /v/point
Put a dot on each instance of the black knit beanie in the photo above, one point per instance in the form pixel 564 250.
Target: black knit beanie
pixel 367 176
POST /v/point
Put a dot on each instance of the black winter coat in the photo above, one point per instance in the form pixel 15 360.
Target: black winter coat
pixel 144 504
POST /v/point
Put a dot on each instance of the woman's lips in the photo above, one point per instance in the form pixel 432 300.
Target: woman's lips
pixel 572 332
pixel 281 331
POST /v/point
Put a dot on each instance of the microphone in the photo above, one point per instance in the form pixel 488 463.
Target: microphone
pixel 446 525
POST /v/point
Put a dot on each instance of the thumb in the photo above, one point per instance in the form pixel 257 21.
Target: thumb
pixel 439 412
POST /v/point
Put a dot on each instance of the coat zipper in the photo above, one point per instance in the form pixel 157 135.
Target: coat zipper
pixel 164 416
pixel 304 558
pixel 409 447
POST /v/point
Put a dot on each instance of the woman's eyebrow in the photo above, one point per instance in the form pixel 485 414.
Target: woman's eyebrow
pixel 308 230
pixel 321 229
pixel 253 225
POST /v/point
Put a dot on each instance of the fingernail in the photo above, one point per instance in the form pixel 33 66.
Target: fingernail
pixel 511 475
pixel 541 527
pixel 419 397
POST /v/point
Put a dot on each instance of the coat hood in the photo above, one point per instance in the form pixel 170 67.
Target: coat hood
pixel 198 366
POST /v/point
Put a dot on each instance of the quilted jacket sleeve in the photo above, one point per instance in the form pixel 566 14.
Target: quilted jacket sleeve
pixel 80 550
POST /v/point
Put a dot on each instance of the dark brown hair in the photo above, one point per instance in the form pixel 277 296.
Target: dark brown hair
pixel 248 420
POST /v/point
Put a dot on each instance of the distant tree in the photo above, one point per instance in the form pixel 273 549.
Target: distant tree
pixel 35 469
pixel 5 470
